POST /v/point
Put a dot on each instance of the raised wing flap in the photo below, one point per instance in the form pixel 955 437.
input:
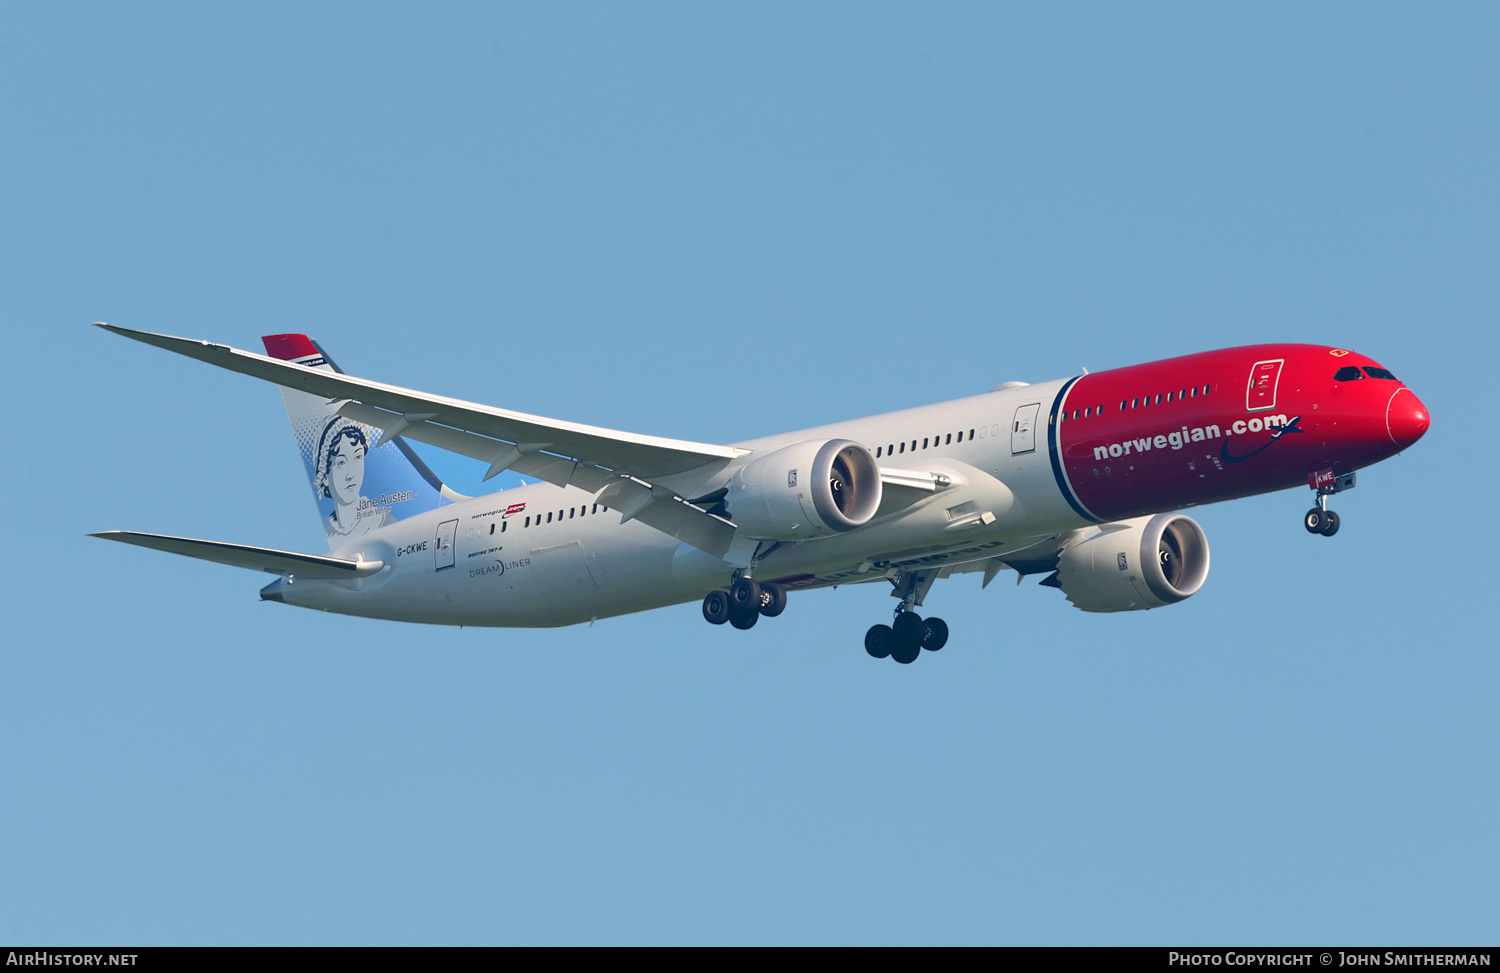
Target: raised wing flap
pixel 244 556
pixel 648 457
pixel 661 508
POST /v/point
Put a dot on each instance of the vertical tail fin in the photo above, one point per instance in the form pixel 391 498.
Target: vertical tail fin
pixel 358 485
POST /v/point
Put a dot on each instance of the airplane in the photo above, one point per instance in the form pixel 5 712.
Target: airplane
pixel 1078 479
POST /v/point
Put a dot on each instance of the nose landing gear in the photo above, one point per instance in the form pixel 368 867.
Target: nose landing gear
pixel 1321 520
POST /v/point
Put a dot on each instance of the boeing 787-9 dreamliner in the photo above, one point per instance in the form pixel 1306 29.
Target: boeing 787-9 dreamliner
pixel 1077 479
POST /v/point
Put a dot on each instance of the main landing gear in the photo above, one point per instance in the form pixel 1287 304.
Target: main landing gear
pixel 906 637
pixel 744 603
pixel 909 633
pixel 1321 520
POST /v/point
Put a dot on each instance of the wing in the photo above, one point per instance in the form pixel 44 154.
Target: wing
pixel 628 467
pixel 244 556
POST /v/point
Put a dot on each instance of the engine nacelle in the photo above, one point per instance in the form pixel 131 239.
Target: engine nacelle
pixel 1135 564
pixel 813 489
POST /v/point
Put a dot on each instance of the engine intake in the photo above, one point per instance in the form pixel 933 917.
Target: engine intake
pixel 807 490
pixel 1134 565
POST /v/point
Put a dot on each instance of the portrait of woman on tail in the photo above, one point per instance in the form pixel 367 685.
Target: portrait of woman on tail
pixel 341 453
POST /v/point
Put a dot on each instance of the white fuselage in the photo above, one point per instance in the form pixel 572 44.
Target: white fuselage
pixel 562 559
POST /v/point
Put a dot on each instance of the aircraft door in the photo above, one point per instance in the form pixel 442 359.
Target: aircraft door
pixel 445 552
pixel 1260 393
pixel 1023 429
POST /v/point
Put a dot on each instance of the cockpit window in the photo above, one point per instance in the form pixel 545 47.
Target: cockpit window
pixel 1347 374
pixel 1374 372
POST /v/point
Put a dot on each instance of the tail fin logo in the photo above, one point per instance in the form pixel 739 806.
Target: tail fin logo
pixel 340 477
pixel 358 487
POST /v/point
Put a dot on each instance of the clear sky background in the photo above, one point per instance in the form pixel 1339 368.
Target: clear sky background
pixel 716 222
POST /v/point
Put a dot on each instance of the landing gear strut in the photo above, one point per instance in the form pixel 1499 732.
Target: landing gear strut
pixel 909 633
pixel 1321 520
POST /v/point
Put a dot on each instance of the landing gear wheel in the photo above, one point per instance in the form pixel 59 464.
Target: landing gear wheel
pixel 1332 526
pixel 908 630
pixel 906 652
pixel 935 635
pixel 716 607
pixel 909 627
pixel 744 619
pixel 879 640
pixel 1314 520
pixel 745 594
pixel 772 600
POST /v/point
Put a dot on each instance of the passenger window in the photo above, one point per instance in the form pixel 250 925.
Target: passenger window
pixel 1374 372
pixel 1347 374
pixel 924 443
pixel 528 521
pixel 1098 410
pixel 960 435
pixel 1135 403
pixel 890 450
pixel 877 452
pixel 971 434
pixel 1169 396
pixel 903 447
pixel 570 512
pixel 950 440
pixel 913 445
pixel 492 528
pixel 1158 398
pixel 1206 389
pixel 549 516
pixel 504 524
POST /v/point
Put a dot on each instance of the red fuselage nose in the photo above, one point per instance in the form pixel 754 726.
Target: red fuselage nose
pixel 1223 424
pixel 1406 418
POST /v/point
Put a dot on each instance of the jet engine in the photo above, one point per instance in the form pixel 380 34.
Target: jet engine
pixel 807 490
pixel 1135 564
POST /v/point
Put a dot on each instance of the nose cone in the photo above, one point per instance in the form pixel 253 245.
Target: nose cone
pixel 1406 418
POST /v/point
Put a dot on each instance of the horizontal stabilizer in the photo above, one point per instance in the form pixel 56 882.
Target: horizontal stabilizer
pixel 244 556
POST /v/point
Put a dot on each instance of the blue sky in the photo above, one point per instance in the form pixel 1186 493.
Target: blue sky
pixel 715 223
